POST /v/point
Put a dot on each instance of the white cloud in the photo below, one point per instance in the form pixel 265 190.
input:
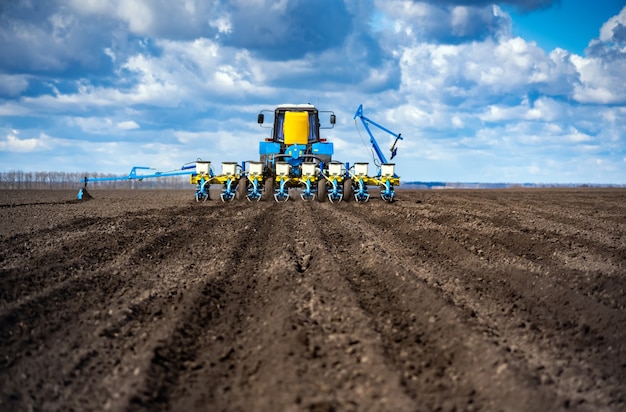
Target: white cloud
pixel 14 109
pixel 12 143
pixel 457 121
pixel 600 81
pixel 61 26
pixel 480 70
pixel 428 21
pixel 101 125
pixel 575 136
pixel 222 24
pixel 109 52
pixel 543 109
pixel 138 14
pixel 608 29
pixel 127 125
pixel 151 18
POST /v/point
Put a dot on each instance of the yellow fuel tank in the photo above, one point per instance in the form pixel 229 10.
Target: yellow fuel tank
pixel 296 128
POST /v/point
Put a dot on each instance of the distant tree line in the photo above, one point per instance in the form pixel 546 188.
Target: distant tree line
pixel 17 179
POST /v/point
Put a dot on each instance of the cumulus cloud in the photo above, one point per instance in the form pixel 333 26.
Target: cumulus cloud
pixel 443 22
pixel 127 125
pixel 39 37
pixel 543 109
pixel 58 34
pixel 600 82
pixel 12 143
pixel 101 125
pixel 614 30
pixel 287 29
pixel 484 72
pixel 611 44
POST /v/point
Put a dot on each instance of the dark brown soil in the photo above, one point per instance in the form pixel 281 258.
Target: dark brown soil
pixel 470 300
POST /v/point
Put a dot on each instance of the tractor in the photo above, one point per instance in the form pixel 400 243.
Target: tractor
pixel 294 158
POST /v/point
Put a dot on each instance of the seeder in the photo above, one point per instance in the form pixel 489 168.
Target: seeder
pixel 295 157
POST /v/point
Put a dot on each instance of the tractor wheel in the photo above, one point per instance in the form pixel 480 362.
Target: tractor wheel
pixel 321 190
pixel 348 192
pixel 268 189
pixel 242 188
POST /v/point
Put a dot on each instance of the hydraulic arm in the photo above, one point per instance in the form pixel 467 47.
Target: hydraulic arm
pixel 366 123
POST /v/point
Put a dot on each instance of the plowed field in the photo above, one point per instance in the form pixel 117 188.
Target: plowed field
pixel 444 300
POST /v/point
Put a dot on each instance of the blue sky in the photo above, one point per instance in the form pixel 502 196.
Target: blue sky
pixel 568 24
pixel 511 91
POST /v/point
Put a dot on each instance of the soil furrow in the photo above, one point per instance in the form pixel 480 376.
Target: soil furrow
pixel 443 300
pixel 211 320
pixel 434 343
pixel 128 295
pixel 500 292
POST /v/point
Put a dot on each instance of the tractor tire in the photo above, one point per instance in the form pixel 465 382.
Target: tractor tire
pixel 268 189
pixel 242 188
pixel 348 191
pixel 321 190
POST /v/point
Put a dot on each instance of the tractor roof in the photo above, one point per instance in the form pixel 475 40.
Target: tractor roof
pixel 304 106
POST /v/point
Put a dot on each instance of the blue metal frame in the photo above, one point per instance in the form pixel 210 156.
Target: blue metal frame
pixel 203 190
pixel 133 175
pixel 185 170
pixel 387 193
pixel 335 192
pixel 228 193
pixel 308 191
pixel 254 192
pixel 361 194
pixel 282 193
